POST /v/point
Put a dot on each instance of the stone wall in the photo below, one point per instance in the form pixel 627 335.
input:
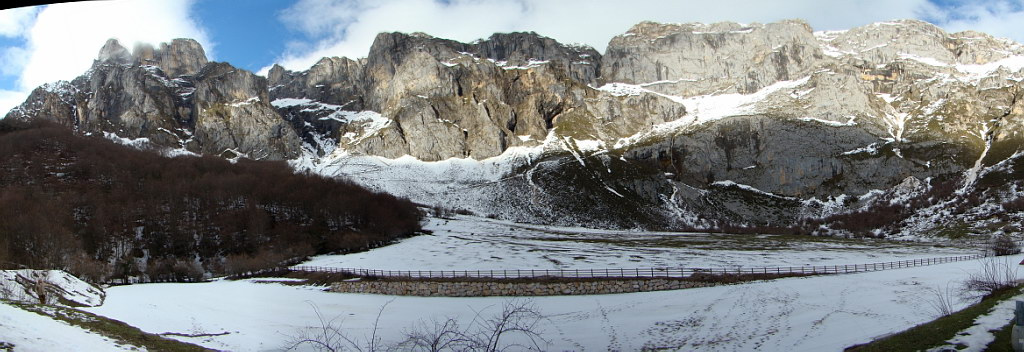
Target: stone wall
pixel 525 288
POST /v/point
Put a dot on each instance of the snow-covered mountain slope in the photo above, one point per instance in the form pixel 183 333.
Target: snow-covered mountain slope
pixel 700 126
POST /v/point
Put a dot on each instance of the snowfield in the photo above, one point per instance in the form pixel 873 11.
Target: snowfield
pixel 33 332
pixel 824 313
pixel 474 243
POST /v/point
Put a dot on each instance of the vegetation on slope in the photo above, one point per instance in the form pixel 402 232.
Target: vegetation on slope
pixel 107 212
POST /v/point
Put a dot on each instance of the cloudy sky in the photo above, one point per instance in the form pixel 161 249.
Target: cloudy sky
pixel 58 42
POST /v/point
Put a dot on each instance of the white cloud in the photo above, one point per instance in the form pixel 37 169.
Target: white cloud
pixel 347 27
pixel 62 40
pixel 1000 18
pixel 14 22
pixel 66 37
pixel 9 99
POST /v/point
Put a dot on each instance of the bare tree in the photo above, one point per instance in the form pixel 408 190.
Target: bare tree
pixel 518 321
pixel 518 317
pixel 515 328
pixel 329 336
pixel 435 336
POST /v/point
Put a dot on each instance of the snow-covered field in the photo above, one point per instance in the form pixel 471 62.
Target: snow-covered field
pixel 33 332
pixel 794 314
pixel 473 243
pixel 824 313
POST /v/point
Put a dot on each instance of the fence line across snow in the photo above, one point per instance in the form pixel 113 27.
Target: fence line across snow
pixel 663 272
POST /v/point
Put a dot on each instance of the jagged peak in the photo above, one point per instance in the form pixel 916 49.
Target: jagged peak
pixel 180 56
pixel 113 51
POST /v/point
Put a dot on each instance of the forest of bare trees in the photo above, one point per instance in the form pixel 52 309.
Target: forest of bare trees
pixel 107 212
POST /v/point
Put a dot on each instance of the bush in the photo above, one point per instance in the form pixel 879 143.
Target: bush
pixel 995 276
pixel 1004 245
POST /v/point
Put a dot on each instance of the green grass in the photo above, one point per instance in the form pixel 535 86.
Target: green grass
pixel 954 231
pixel 114 329
pixel 1002 341
pixel 936 332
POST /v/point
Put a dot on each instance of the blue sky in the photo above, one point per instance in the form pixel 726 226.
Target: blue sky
pixel 48 43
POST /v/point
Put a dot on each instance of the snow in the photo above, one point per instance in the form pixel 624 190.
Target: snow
pixel 924 60
pixel 871 149
pixel 531 63
pixel 822 313
pixel 971 175
pixel 474 243
pixel 453 182
pixel 15 285
pixel 289 102
pixel 249 101
pixel 33 332
pixel 851 122
pixel 972 72
pixel 623 89
pixel 976 72
pixel 138 143
pixel 729 183
pixel 370 121
pixel 703 108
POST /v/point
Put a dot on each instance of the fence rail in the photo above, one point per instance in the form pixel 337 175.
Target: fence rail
pixel 663 272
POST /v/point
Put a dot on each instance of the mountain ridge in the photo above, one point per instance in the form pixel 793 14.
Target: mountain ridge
pixel 686 126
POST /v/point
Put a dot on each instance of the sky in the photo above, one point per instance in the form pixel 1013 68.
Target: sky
pixel 50 42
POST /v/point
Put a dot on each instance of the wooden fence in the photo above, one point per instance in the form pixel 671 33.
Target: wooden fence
pixel 664 272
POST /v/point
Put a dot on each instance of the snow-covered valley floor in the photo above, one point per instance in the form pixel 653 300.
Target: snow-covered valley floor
pixel 824 313
pixel 473 243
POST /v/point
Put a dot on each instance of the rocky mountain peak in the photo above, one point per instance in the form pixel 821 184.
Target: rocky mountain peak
pixel 113 52
pixel 180 57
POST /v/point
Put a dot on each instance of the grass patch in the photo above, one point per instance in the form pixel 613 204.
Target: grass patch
pixel 114 329
pixel 1002 341
pixel 954 231
pixel 936 332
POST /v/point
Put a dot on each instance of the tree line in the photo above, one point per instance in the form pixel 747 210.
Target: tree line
pixel 107 212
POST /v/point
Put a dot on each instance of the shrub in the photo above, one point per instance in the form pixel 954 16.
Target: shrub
pixel 995 276
pixel 1004 245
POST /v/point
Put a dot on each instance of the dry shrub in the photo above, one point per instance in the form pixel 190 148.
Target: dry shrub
pixel 995 276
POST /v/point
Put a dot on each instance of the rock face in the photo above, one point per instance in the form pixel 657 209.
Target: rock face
pixel 674 126
pixel 695 59
pixel 170 97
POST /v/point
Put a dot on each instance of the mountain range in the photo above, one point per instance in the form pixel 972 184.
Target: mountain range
pixel 894 129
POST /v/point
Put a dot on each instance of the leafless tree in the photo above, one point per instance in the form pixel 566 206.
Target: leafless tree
pixel 515 328
pixel 329 336
pixel 435 336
